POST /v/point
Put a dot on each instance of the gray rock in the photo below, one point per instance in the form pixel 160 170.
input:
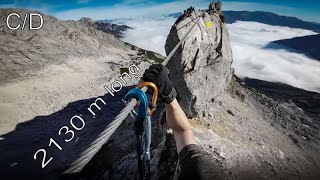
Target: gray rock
pixel 201 68
pixel 230 112
pixel 215 7
pixel 22 51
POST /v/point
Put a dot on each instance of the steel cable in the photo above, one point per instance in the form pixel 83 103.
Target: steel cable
pixel 78 164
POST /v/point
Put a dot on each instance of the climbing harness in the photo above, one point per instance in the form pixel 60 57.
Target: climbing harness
pixel 142 125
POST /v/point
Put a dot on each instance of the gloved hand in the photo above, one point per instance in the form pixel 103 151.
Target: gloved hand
pixel 159 75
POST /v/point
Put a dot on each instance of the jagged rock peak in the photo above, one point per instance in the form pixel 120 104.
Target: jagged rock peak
pixel 87 21
pixel 215 7
pixel 201 68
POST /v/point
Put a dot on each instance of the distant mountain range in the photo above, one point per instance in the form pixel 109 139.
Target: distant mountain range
pixel 115 29
pixel 106 26
pixel 308 45
pixel 266 18
pixel 174 15
pixel 270 18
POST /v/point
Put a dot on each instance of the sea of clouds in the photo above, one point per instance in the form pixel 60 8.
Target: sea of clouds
pixel 252 59
pixel 148 33
pixel 248 41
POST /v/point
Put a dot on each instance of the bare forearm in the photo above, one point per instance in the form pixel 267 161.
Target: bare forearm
pixel 178 122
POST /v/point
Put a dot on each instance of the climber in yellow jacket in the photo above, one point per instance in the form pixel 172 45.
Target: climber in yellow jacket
pixel 195 163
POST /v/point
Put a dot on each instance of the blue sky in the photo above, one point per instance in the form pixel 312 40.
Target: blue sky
pixel 106 9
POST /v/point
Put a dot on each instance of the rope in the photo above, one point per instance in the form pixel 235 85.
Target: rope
pixel 104 136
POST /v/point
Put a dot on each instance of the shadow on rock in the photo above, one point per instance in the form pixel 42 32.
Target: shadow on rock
pixel 18 147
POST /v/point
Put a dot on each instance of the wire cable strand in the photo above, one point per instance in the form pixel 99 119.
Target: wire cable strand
pixel 78 164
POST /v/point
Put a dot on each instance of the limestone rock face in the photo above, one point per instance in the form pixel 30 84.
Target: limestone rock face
pixel 201 68
pixel 22 51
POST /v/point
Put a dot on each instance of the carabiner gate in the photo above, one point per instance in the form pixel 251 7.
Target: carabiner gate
pixel 143 126
pixel 154 88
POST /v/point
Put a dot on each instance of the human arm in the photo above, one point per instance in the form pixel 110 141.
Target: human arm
pixel 194 161
pixel 178 122
pixel 176 118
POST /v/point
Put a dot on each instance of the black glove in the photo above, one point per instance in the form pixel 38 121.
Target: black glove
pixel 159 75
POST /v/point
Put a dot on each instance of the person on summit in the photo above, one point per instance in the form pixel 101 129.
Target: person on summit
pixel 195 163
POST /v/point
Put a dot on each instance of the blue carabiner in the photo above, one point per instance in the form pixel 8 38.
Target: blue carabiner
pixel 140 96
pixel 144 136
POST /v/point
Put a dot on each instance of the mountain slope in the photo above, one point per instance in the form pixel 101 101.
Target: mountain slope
pixel 269 18
pixel 308 45
pixel 23 51
pixel 296 111
pixel 49 75
pixel 308 101
pixel 104 26
pixel 249 133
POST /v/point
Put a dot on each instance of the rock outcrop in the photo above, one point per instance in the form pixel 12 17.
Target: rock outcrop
pixel 201 68
pixel 249 134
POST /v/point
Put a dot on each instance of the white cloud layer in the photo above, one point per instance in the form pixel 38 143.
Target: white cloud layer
pixel 150 34
pixel 251 59
pixel 248 40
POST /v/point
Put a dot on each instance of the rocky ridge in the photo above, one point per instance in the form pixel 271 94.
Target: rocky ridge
pixel 252 132
pixel 248 132
pixel 48 75
pixel 25 51
pixel 104 26
pixel 205 57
